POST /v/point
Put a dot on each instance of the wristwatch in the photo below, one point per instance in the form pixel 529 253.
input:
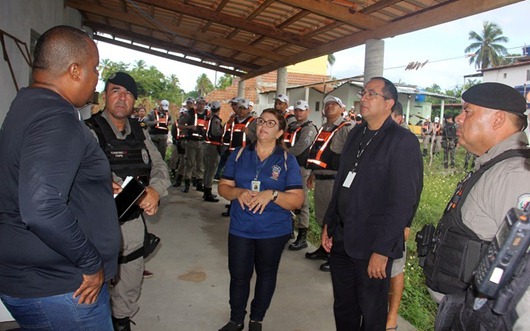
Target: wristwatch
pixel 274 195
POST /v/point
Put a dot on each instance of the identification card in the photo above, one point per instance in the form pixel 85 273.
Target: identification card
pixel 255 185
pixel 349 179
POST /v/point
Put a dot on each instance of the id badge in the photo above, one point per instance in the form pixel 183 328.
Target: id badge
pixel 255 185
pixel 349 179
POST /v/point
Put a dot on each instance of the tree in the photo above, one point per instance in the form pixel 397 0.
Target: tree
pixel 487 50
pixel 331 61
pixel 225 81
pixel 152 84
pixel 204 85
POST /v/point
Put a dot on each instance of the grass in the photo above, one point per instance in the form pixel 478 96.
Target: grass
pixel 417 307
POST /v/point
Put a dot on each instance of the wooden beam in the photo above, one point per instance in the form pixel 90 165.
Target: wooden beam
pixel 453 10
pixel 167 56
pixel 136 19
pixel 233 21
pixel 338 12
pixel 173 47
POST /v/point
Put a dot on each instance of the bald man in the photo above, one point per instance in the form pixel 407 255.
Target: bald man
pixel 59 230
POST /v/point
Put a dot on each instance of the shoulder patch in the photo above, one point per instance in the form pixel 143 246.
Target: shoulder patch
pixel 523 201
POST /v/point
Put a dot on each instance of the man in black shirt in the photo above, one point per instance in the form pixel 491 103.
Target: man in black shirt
pixel 59 231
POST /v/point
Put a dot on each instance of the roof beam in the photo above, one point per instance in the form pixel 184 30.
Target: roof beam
pixel 337 12
pixel 455 9
pixel 167 56
pixel 172 47
pixel 181 32
pixel 233 21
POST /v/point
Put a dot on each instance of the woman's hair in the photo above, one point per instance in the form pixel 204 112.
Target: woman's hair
pixel 282 124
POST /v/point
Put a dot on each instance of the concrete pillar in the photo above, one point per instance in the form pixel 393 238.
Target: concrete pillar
pixel 374 58
pixel 241 88
pixel 442 111
pixel 281 81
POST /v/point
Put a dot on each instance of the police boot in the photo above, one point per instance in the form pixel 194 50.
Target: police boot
pixel 425 152
pixel 300 242
pixel 208 196
pixel 199 186
pixel 186 188
pixel 178 182
pixel 194 181
pixel 121 324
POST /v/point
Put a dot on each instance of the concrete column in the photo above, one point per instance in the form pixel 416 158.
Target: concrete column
pixel 442 111
pixel 281 81
pixel 241 88
pixel 374 58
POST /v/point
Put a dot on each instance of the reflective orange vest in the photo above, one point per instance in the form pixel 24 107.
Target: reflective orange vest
pixel 238 134
pixel 209 138
pixel 320 154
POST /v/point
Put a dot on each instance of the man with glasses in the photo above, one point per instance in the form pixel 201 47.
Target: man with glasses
pixel 298 138
pixel 323 160
pixel 376 192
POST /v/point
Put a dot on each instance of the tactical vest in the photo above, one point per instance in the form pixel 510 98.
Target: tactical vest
pixel 291 136
pixel 320 154
pixel 456 250
pixel 199 121
pixel 162 120
pixel 238 135
pixel 227 130
pixel 210 138
pixel 450 131
pixel 497 314
pixel 127 157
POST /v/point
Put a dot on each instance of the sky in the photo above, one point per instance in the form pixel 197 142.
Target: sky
pixel 442 45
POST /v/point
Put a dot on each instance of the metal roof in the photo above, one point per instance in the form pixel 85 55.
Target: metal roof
pixel 248 38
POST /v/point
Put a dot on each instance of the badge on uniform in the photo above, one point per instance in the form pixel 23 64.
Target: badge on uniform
pixel 523 201
pixel 349 179
pixel 255 185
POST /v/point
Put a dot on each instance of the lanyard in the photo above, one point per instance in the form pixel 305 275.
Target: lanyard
pixel 361 149
pixel 260 165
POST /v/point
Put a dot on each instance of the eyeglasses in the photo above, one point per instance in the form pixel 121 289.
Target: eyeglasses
pixel 370 94
pixel 270 123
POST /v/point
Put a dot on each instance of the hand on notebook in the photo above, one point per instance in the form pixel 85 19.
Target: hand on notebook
pixel 149 202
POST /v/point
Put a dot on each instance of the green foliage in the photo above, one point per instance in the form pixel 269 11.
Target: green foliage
pixel 152 84
pixel 486 47
pixel 204 85
pixel 224 81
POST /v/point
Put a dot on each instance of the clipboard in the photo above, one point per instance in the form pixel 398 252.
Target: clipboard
pixel 126 200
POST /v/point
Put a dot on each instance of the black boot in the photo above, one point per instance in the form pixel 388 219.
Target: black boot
pixel 121 324
pixel 227 212
pixel 208 196
pixel 319 254
pixel 193 181
pixel 301 240
pixel 186 188
pixel 325 266
pixel 199 186
pixel 178 182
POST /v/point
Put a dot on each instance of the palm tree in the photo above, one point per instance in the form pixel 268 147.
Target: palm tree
pixel 487 50
pixel 204 85
pixel 331 62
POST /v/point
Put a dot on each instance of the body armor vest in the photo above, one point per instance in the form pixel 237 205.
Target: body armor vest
pixel 455 251
pixel 238 136
pixel 210 138
pixel 162 120
pixel 320 154
pixel 291 136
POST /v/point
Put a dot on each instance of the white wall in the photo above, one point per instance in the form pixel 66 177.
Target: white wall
pixel 514 75
pixel 19 18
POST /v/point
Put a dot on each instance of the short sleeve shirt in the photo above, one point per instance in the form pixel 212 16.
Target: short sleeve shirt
pixel 280 172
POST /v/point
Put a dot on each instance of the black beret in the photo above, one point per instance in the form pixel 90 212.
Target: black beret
pixel 125 80
pixel 496 96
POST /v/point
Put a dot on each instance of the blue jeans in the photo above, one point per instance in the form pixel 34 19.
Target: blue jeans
pixel 61 312
pixel 243 256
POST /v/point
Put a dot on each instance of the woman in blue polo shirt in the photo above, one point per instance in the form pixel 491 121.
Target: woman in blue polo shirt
pixel 264 183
